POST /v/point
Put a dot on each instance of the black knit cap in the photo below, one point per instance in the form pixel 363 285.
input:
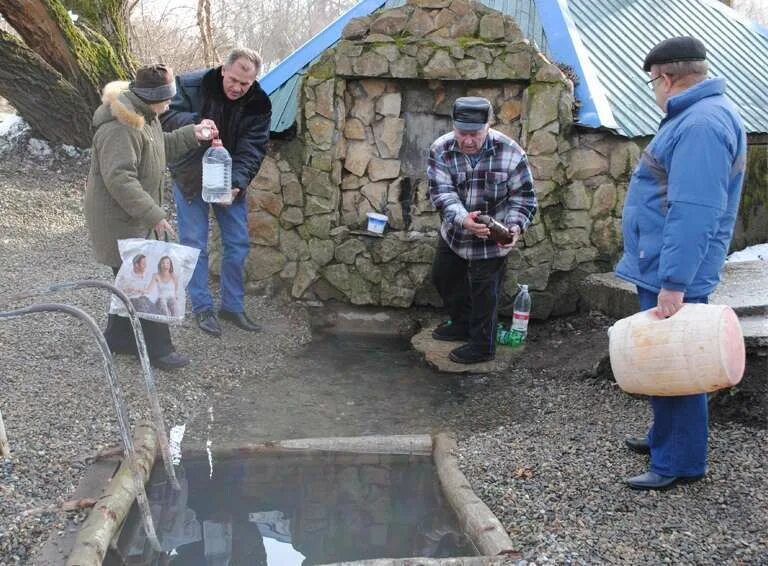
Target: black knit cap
pixel 675 49
pixel 471 113
pixel 154 83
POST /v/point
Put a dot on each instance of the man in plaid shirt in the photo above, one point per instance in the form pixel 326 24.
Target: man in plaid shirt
pixel 475 170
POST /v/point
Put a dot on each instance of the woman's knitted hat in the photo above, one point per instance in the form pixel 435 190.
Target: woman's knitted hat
pixel 154 83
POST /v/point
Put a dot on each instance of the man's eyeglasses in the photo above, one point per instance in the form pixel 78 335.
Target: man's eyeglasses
pixel 650 82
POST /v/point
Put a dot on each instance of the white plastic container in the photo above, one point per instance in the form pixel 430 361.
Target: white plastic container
pixel 376 222
pixel 698 350
pixel 217 174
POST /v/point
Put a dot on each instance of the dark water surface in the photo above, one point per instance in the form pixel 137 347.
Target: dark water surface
pixel 284 509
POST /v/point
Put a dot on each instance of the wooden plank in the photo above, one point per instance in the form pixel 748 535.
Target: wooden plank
pixel 459 561
pixel 475 518
pixel 91 486
pixel 396 444
pixel 106 517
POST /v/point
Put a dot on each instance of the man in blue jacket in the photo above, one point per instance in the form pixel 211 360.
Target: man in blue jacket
pixel 678 222
pixel 230 96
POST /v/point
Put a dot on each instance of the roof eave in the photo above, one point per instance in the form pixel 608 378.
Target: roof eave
pixel 314 47
pixel 565 46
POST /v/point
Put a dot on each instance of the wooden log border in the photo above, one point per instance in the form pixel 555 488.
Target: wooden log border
pixel 408 444
pixel 456 561
pixel 475 518
pixel 110 511
pixel 477 521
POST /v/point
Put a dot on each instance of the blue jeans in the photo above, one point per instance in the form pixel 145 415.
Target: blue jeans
pixel 678 435
pixel 193 218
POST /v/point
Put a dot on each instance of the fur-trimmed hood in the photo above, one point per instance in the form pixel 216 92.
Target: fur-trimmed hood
pixel 118 103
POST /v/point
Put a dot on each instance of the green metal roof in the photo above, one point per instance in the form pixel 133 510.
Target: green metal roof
pixel 617 35
pixel 605 42
pixel 284 103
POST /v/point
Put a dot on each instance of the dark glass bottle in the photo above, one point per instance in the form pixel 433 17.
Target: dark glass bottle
pixel 499 233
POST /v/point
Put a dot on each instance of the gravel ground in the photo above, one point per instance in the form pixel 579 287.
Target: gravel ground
pixel 541 444
pixel 54 399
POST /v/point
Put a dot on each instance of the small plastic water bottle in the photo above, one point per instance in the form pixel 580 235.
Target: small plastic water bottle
pixel 520 315
pixel 217 174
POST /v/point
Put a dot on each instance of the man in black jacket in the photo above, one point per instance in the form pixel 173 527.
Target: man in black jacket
pixel 230 96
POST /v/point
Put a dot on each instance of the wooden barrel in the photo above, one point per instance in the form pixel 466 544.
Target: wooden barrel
pixel 698 350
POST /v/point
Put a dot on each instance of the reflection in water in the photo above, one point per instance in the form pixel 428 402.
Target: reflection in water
pixel 282 553
pixel 288 508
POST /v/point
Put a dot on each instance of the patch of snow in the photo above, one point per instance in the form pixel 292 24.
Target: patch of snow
pixel 16 141
pixel 11 124
pixel 176 436
pixel 39 148
pixel 752 253
pixel 71 151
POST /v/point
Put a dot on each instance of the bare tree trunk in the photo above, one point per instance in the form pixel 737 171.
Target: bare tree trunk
pixel 206 31
pixel 53 108
pixel 55 76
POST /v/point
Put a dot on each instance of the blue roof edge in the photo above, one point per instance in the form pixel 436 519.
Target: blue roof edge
pixel 314 47
pixel 565 46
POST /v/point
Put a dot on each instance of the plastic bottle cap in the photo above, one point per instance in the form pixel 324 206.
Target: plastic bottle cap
pixel 217 142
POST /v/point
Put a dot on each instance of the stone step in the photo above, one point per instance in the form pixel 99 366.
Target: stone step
pixel 436 354
pixel 744 287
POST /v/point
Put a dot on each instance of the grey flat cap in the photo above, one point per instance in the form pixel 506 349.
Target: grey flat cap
pixel 471 113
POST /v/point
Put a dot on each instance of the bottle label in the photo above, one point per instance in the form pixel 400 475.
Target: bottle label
pixel 520 321
pixel 213 176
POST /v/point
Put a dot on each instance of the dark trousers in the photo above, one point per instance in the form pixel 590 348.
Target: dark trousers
pixel 678 435
pixel 119 336
pixel 470 291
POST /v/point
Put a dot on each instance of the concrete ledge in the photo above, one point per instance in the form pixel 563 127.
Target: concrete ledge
pixel 744 288
pixel 608 294
pixel 755 329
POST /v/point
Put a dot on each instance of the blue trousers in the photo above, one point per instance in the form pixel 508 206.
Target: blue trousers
pixel 193 215
pixel 678 435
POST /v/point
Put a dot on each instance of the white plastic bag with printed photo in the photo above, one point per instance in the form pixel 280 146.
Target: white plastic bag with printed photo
pixel 154 275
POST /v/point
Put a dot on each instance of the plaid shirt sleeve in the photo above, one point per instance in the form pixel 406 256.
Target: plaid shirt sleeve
pixel 442 192
pixel 522 203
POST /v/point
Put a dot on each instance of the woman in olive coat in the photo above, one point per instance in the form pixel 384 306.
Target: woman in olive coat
pixel 123 196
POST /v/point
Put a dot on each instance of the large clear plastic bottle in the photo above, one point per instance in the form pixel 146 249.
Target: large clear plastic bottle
pixel 520 315
pixel 217 174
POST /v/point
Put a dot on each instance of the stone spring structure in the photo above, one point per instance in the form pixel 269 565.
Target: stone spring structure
pixel 368 111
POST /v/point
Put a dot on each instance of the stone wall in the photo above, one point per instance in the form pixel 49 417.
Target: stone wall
pixel 752 224
pixel 369 109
